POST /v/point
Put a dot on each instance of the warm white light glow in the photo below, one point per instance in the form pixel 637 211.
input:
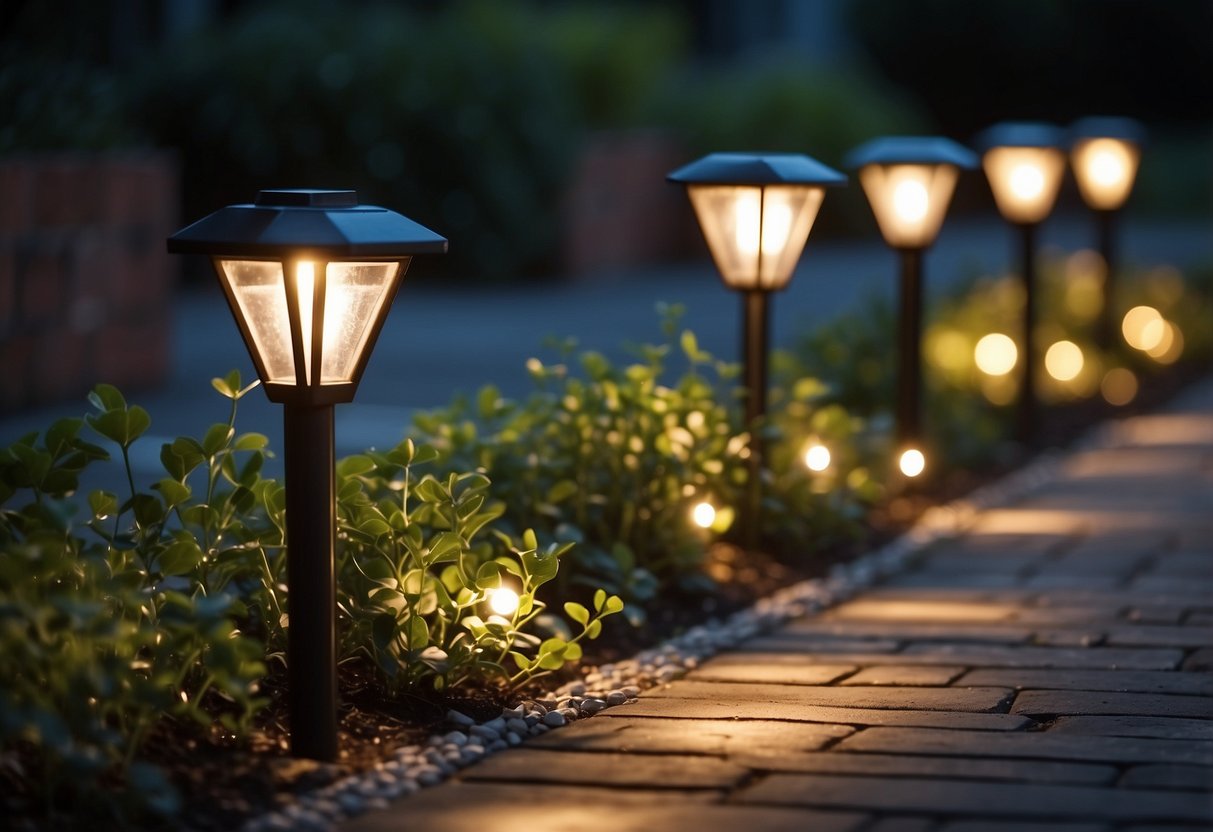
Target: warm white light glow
pixel 1142 327
pixel 503 601
pixel 1105 169
pixel 817 458
pixel 1027 181
pixel 1064 360
pixel 305 288
pixel 912 462
pixel 910 201
pixel 1119 386
pixel 995 354
pixel 756 234
pixel 1170 342
pixel 703 515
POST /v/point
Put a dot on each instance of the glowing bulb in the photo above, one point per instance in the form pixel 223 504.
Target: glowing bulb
pixel 1142 327
pixel 817 458
pixel 1064 360
pixel 912 462
pixel 503 601
pixel 1107 168
pixel 995 354
pixel 703 515
pixel 1027 181
pixel 305 287
pixel 910 200
pixel 776 225
pixel 747 219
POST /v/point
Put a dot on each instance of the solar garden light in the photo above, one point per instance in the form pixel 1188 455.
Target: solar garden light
pixel 1024 163
pixel 1105 153
pixel 909 181
pixel 309 276
pixel 755 211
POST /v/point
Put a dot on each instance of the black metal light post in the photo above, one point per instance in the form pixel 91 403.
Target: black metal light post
pixel 1024 163
pixel 309 276
pixel 909 181
pixel 756 211
pixel 1105 153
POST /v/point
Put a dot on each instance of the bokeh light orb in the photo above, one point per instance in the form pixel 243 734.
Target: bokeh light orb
pixel 503 601
pixel 1142 327
pixel 1119 386
pixel 1064 360
pixel 703 515
pixel 995 354
pixel 912 462
pixel 817 457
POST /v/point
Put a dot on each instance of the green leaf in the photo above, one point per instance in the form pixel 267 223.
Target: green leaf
pixel 430 491
pixel 572 652
pixel 613 604
pixel 445 546
pixel 59 435
pixel 173 492
pixel 690 345
pixel 383 630
pixel 577 612
pixel 354 465
pixel 250 442
pixel 182 555
pixel 524 664
pixel 216 439
pixel 103 504
pixel 224 386
pixel 486 401
pixel 419 633
pixel 594 630
pixel 600 597
pixel 529 542
pixel 562 491
pixel 106 397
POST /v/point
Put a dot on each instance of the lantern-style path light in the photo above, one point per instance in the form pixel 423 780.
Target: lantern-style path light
pixel 756 211
pixel 1024 162
pixel 309 276
pixel 909 181
pixel 1105 153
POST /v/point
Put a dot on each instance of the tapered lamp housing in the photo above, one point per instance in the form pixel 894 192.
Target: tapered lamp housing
pixel 309 276
pixel 756 211
pixel 1105 153
pixel 1024 162
pixel 909 181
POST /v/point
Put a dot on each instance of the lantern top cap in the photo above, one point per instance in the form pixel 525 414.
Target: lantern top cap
pixel 1021 134
pixel 911 150
pixel 323 223
pixel 757 169
pixel 1108 127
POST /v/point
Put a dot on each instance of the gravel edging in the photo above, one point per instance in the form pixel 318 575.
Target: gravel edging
pixel 415 767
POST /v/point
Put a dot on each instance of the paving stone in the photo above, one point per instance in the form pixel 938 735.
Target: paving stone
pixel 707 736
pixel 1093 658
pixel 1198 619
pixel 1005 826
pixel 1043 529
pixel 1084 616
pixel 956 580
pixel 1046 745
pixel 649 706
pixel 972 700
pixel 1189 585
pixel 1129 681
pixel 1197 564
pixel 1135 726
pixel 1054 702
pixel 760 671
pixel 585 768
pixel 960 768
pixel 1055 579
pixel 1169 776
pixel 477 807
pixel 947 797
pixel 1155 615
pixel 906 675
pixel 1160 636
pixel 786 640
pixel 868 609
pixel 1067 638
pixel 902 824
pixel 918 631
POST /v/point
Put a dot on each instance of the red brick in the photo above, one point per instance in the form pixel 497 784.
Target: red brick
pixel 41 285
pixel 61 366
pixel 66 190
pixel 8 290
pixel 16 354
pixel 133 355
pixel 16 186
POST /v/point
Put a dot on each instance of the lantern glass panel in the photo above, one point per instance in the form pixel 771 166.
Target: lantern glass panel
pixel 1025 180
pixel 756 233
pixel 909 200
pixel 1105 169
pixel 257 288
pixel 354 300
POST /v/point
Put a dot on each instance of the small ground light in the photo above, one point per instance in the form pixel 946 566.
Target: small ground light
pixel 912 462
pixel 995 354
pixel 817 458
pixel 1170 343
pixel 703 515
pixel 1119 386
pixel 1064 360
pixel 503 601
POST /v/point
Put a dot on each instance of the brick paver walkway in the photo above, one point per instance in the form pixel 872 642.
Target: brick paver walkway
pixel 1049 669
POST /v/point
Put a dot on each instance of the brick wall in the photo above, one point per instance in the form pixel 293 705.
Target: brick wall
pixel 85 282
pixel 619 210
